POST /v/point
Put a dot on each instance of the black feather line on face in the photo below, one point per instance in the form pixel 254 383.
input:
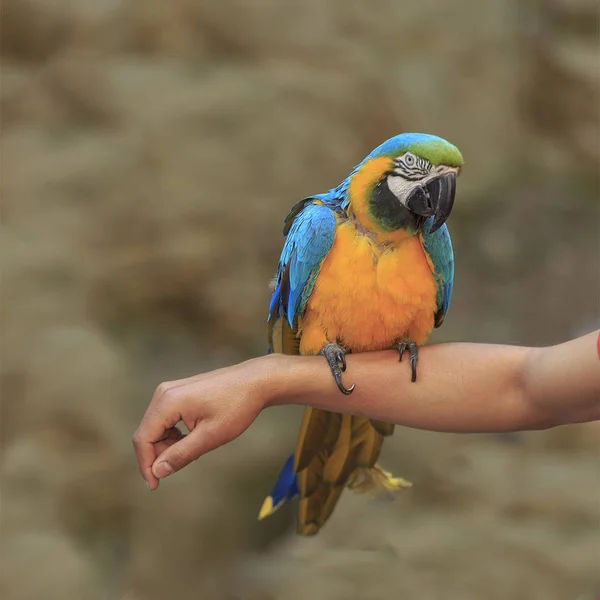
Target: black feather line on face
pixel 386 211
pixel 409 176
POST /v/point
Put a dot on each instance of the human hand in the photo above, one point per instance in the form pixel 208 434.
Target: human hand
pixel 216 407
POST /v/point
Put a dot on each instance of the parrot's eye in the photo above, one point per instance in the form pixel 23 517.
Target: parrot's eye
pixel 409 159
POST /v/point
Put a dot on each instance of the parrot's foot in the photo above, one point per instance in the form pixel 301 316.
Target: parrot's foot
pixel 336 358
pixel 413 355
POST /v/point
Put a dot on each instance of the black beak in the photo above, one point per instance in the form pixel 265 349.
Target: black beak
pixel 435 199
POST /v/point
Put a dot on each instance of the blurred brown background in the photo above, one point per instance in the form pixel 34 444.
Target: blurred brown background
pixel 150 151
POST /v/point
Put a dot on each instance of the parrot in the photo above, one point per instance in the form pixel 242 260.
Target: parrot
pixel 366 266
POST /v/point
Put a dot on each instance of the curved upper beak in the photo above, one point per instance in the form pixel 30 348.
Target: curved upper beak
pixel 435 198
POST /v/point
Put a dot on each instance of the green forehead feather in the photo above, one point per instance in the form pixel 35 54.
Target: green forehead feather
pixel 438 153
pixel 435 149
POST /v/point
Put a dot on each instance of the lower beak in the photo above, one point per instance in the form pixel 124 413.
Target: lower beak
pixel 435 199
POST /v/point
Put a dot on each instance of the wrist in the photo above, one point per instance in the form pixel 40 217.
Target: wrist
pixel 279 379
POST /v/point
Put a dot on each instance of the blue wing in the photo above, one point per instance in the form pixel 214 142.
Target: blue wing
pixel 309 230
pixel 438 246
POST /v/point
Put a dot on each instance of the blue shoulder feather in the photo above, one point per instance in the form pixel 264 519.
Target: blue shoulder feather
pixel 438 246
pixel 310 231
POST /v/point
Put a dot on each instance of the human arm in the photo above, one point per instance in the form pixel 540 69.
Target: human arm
pixel 464 388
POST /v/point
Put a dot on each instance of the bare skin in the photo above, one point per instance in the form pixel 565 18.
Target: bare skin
pixel 462 388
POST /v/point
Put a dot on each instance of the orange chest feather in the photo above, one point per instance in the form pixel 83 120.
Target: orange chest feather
pixel 367 296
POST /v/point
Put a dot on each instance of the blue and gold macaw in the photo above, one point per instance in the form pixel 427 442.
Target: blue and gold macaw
pixel 366 266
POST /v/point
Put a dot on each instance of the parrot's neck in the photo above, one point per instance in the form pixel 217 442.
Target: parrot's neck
pixel 379 238
pixel 372 205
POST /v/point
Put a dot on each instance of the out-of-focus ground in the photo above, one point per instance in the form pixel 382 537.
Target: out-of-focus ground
pixel 150 151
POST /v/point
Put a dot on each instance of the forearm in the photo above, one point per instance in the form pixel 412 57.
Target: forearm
pixel 564 380
pixel 460 387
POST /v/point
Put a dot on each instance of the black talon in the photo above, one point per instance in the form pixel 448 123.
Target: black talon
pixel 336 358
pixel 413 354
pixel 413 365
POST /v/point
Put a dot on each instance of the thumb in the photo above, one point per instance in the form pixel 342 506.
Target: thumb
pixel 183 452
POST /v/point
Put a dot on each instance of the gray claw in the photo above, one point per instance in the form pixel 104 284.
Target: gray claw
pixel 413 353
pixel 336 358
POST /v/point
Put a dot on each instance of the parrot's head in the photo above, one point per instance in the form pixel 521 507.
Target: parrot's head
pixel 403 182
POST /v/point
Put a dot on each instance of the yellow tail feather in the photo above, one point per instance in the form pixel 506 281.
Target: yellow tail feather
pixel 267 508
pixel 375 479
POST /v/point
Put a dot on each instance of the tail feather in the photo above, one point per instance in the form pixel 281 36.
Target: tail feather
pixel 375 479
pixel 336 465
pixel 346 454
pixel 309 479
pixel 314 511
pixel 285 488
pixel 382 427
pixel 319 430
pixel 334 451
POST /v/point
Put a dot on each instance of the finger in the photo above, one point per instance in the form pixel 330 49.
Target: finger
pixel 161 446
pixel 145 455
pixel 184 451
pixel 173 434
pixel 156 423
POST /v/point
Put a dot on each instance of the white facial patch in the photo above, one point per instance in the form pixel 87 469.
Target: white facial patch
pixel 400 187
